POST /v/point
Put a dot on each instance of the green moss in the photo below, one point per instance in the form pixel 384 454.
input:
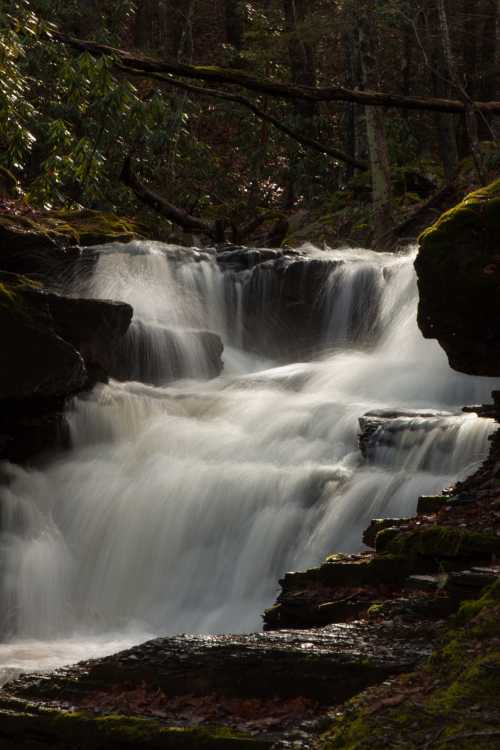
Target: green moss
pixel 380 569
pixel 13 288
pixel 70 729
pixel 478 213
pixel 443 542
pixel 375 610
pixel 458 699
pixel 72 227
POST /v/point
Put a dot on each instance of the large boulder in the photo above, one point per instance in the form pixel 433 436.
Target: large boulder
pixel 52 347
pixel 46 244
pixel 35 361
pixel 94 327
pixel 458 268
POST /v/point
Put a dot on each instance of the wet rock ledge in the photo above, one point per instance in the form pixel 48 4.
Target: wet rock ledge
pixel 267 684
pixel 53 346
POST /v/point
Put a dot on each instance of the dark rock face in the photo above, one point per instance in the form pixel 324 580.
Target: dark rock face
pixel 458 269
pixel 381 427
pixel 286 663
pixel 317 668
pixel 32 427
pixel 52 347
pixel 157 355
pixel 24 250
pixel 282 312
pixel 35 362
pixel 46 244
pixel 94 327
pixel 242 258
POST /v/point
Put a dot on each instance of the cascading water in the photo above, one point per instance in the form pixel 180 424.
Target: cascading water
pixel 182 504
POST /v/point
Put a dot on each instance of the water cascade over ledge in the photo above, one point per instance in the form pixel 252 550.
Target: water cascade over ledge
pixel 186 498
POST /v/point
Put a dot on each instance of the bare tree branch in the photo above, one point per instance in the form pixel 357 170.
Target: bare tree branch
pixel 156 201
pixel 272 88
pixel 258 112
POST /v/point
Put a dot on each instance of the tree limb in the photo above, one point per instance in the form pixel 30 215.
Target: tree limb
pixel 154 200
pixel 258 112
pixel 272 88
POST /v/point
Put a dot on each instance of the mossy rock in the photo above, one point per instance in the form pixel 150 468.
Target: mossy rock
pixel 84 227
pixel 453 701
pixel 21 723
pixel 342 571
pixel 13 288
pixel 429 504
pixel 458 268
pixel 440 542
pixel 479 212
pixel 391 569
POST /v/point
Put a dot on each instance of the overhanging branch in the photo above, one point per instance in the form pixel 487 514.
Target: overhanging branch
pixel 156 201
pixel 258 112
pixel 148 66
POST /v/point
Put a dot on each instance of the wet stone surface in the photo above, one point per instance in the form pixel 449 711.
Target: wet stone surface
pixel 325 664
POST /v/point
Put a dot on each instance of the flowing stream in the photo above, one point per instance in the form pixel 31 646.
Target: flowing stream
pixel 183 503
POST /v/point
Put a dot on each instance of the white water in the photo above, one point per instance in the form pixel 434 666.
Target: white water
pixel 182 505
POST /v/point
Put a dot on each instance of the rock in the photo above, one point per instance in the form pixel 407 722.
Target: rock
pixel 92 326
pixel 242 258
pixel 378 524
pixel 429 504
pixel 46 243
pixel 35 361
pixel 92 704
pixel 458 268
pixel 32 428
pixel 382 427
pixel 66 730
pixel 52 348
pixel 441 543
pixel 341 589
pixel 157 355
pixel 26 250
pixel 281 314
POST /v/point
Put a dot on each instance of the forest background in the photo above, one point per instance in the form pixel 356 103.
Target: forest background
pixel 246 164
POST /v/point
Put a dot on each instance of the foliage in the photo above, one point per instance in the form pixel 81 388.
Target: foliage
pixel 68 120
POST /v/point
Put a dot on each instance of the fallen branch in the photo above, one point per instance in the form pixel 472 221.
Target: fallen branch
pixel 156 201
pixel 148 66
pixel 258 112
pixel 182 218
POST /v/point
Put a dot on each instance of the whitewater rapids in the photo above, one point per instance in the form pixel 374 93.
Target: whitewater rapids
pixel 182 504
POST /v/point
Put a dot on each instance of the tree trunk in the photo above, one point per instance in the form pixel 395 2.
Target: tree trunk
pixel 351 120
pixel 383 220
pixel 235 26
pixel 469 112
pixel 144 28
pixel 303 73
pixel 487 80
pixel 301 53
pixel 446 124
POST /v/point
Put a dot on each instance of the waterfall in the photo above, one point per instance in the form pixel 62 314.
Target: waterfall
pixel 184 501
